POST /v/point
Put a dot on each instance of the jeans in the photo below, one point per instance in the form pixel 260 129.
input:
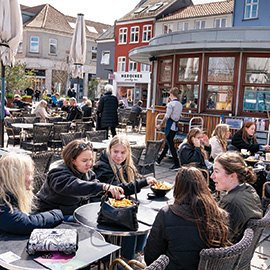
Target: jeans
pixel 132 245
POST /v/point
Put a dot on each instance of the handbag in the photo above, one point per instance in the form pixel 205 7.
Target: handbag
pixel 125 217
pixel 63 240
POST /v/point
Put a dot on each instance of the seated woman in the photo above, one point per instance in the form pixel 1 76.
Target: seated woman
pixel 245 138
pixel 195 149
pixel 193 222
pixel 109 168
pixel 241 200
pixel 218 140
pixel 16 197
pixel 40 111
pixel 71 182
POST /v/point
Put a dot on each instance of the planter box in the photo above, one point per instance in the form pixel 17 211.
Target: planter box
pixel 9 102
pixel 27 99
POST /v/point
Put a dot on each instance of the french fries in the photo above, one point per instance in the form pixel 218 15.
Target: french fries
pixel 161 185
pixel 121 203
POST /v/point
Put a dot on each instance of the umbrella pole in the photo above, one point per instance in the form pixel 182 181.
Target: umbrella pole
pixel 2 105
pixel 78 90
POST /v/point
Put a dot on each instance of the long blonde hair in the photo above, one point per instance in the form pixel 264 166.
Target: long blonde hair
pixel 220 133
pixel 13 169
pixel 122 140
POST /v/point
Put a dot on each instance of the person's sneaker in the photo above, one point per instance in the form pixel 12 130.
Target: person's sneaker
pixel 175 168
pixel 158 162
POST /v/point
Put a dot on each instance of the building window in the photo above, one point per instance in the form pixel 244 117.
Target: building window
pixel 94 53
pixel 34 44
pixel 134 34
pixel 167 28
pixel 132 66
pixel 145 68
pixel 147 33
pixel 220 23
pixel 20 47
pixel 183 26
pixel 121 66
pixel 53 45
pixel 122 35
pixel 257 84
pixel 220 83
pixel 251 9
pixel 155 7
pixel 199 24
pixel 188 81
pixel 105 58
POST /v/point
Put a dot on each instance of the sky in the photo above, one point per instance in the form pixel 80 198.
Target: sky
pixel 103 11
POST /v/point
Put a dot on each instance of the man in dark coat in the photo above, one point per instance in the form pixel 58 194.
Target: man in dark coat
pixel 74 110
pixel 138 109
pixel 107 108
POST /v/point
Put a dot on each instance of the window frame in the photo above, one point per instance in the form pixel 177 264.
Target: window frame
pixel 20 47
pixel 169 27
pixel 145 33
pixel 50 43
pixel 31 44
pixel 93 53
pixel 145 69
pixel 132 66
pixel 251 5
pixel 120 63
pixel 123 35
pixel 206 83
pixel 220 22
pixel 246 84
pixel 102 58
pixel 183 24
pixel 200 24
pixel 134 32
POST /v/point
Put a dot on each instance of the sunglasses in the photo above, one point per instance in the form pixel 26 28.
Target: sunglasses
pixel 85 145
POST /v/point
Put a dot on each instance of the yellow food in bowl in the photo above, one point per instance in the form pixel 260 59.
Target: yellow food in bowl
pixel 121 203
pixel 161 185
pixel 251 159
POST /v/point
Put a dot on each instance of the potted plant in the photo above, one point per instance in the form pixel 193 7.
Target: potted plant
pixel 27 98
pixel 9 97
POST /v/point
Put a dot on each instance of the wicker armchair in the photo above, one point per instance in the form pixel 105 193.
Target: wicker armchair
pixel 42 162
pixel 83 126
pixel 225 258
pixel 159 264
pixel 41 135
pixel 55 141
pixel 147 165
pixel 136 153
pixel 257 225
pixel 96 136
pixel 12 133
pixel 68 137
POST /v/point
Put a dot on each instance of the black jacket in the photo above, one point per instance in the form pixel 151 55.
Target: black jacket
pixel 21 104
pixel 177 238
pixel 87 111
pixel 238 142
pixel 65 190
pixel 107 107
pixel 105 174
pixel 21 223
pixel 189 154
pixel 74 112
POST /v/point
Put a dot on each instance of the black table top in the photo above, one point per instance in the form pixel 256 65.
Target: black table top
pixel 91 247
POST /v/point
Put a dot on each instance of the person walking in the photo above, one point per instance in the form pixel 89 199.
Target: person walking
pixel 172 116
pixel 107 110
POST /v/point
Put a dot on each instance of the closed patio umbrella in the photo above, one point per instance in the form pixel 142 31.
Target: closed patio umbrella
pixel 10 37
pixel 78 49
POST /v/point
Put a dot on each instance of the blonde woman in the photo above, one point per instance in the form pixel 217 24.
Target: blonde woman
pixel 218 140
pixel 111 167
pixel 40 111
pixel 16 197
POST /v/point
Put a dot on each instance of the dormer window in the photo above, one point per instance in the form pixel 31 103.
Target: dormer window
pixel 140 9
pixel 155 7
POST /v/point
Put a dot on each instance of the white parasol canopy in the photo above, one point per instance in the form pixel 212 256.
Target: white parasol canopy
pixel 10 37
pixel 78 47
pixel 10 30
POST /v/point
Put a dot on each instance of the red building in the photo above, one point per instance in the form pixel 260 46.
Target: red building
pixel 132 80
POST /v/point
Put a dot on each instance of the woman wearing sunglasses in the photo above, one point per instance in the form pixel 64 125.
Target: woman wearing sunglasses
pixel 71 182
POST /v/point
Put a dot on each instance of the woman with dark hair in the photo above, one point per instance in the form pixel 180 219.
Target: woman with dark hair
pixel 195 149
pixel 71 182
pixel 241 200
pixel 193 222
pixel 245 138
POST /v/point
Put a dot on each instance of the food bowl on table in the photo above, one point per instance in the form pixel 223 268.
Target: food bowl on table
pixel 161 189
pixel 251 161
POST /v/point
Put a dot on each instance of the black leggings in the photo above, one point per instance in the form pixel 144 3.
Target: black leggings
pixel 113 131
pixel 172 148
